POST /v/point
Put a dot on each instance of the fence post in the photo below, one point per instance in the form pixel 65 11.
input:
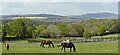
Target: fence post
pixel 84 40
pixel 108 39
pixel 104 39
pixel 92 40
pixel 80 41
pixel 101 40
pixel 96 40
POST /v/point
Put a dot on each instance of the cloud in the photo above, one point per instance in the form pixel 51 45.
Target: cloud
pixel 60 0
pixel 62 8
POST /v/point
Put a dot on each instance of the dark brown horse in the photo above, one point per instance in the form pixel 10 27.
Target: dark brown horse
pixel 68 45
pixel 47 43
pixel 7 46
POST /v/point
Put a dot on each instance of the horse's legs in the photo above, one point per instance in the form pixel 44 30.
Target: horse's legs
pixel 64 49
pixel 43 45
pixel 70 49
pixel 61 48
pixel 5 47
pixel 49 45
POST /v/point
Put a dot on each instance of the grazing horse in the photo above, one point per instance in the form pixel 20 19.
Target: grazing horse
pixel 47 43
pixel 7 46
pixel 68 45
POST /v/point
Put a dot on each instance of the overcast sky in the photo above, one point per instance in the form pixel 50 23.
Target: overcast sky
pixel 59 7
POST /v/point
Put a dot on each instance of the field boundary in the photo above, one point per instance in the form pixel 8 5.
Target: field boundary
pixel 77 41
pixel 95 40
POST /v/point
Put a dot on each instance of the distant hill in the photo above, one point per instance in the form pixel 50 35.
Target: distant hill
pixel 101 15
pixel 52 17
pixel 32 15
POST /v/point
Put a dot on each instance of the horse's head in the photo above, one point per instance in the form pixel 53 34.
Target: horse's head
pixel 6 44
pixel 53 46
pixel 74 49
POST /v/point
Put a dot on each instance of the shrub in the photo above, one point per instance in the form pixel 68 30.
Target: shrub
pixel 86 34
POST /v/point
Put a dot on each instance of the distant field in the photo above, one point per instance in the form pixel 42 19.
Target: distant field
pixel 104 36
pixel 107 36
pixel 97 47
pixel 31 17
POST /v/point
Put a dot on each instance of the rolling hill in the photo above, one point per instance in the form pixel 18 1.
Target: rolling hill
pixel 102 15
pixel 52 17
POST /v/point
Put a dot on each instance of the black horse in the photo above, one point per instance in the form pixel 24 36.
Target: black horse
pixel 47 43
pixel 68 45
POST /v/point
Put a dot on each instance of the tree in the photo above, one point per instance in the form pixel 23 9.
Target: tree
pixel 64 28
pixel 101 31
pixel 29 27
pixel 114 28
pixel 86 34
pixel 5 29
pixel 93 30
pixel 75 30
pixel 30 32
pixel 52 32
pixel 18 28
pixel 39 30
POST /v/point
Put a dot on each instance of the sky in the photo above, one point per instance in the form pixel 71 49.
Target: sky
pixel 58 7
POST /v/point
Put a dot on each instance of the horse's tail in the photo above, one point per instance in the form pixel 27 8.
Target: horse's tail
pixel 59 45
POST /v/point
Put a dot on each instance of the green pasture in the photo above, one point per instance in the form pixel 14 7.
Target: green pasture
pixel 96 47
pixel 107 36
pixel 63 38
pixel 0 47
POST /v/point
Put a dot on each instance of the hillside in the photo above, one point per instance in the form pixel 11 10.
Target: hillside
pixel 52 17
pixel 102 15
pixel 45 17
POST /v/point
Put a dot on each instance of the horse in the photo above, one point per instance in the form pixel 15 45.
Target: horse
pixel 47 43
pixel 7 46
pixel 67 45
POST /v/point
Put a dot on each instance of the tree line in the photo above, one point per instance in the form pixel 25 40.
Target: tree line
pixel 22 28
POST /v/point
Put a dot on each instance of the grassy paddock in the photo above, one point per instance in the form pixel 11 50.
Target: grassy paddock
pixel 98 47
pixel 107 36
pixel 0 47
pixel 63 38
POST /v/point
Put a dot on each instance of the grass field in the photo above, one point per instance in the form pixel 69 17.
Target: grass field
pixel 107 36
pixel 98 47
pixel 104 36
pixel 0 47
pixel 63 38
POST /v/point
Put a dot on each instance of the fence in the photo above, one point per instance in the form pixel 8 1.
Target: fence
pixel 81 41
pixel 93 40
